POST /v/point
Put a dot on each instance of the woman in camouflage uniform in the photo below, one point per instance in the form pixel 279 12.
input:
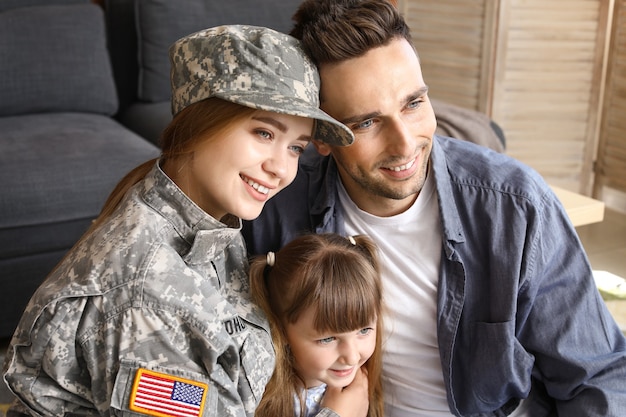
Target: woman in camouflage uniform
pixel 150 313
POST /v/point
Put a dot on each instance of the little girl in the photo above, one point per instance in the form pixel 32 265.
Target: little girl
pixel 323 297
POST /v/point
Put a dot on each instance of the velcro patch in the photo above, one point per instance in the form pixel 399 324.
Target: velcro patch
pixel 163 395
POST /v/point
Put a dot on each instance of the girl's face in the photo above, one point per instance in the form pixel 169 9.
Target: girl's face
pixel 332 359
pixel 238 172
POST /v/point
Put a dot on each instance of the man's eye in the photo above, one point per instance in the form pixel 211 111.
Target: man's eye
pixel 365 124
pixel 415 104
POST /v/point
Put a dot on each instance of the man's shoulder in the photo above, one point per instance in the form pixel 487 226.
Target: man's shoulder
pixel 461 149
pixel 480 161
pixel 470 165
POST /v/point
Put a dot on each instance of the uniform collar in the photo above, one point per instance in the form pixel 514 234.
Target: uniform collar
pixel 191 222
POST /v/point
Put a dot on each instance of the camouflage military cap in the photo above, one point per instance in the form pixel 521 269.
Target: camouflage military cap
pixel 253 66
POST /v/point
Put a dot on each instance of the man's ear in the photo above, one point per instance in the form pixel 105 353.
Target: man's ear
pixel 322 148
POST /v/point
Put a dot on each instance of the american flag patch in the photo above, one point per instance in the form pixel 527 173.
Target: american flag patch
pixel 164 395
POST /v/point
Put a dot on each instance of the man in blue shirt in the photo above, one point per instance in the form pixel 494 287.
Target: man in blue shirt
pixel 492 306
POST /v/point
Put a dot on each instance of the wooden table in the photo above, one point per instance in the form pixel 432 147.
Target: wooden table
pixel 581 209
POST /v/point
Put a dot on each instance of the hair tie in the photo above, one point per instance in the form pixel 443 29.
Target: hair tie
pixel 270 258
pixel 351 239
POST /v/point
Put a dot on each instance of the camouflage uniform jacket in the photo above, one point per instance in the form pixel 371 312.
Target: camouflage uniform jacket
pixel 160 286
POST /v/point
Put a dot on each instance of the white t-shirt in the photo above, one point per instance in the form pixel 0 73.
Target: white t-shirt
pixel 410 249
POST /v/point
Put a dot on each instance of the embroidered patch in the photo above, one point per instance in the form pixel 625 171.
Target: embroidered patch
pixel 234 325
pixel 164 395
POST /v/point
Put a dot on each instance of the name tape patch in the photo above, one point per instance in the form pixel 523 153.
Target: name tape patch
pixel 163 395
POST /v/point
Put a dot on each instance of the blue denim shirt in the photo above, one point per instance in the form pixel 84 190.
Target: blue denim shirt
pixel 517 304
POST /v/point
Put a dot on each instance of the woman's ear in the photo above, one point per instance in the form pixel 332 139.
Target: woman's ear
pixel 322 148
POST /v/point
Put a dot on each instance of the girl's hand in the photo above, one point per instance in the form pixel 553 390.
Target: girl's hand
pixel 351 401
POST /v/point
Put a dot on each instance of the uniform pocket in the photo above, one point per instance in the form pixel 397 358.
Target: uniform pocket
pixel 257 360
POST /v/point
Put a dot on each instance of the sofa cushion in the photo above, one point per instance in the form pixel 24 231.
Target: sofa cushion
pixel 59 168
pixel 54 58
pixel 161 22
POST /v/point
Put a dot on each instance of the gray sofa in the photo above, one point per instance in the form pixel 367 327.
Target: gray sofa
pixel 61 150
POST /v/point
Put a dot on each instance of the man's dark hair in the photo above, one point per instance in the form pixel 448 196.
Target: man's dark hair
pixel 332 31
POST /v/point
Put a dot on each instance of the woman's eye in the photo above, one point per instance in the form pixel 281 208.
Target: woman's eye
pixel 297 149
pixel 264 134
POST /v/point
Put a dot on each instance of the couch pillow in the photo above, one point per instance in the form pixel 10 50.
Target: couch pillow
pixel 161 22
pixel 54 59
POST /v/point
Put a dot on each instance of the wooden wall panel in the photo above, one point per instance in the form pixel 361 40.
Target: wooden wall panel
pixel 452 38
pixel 548 83
pixel 611 160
